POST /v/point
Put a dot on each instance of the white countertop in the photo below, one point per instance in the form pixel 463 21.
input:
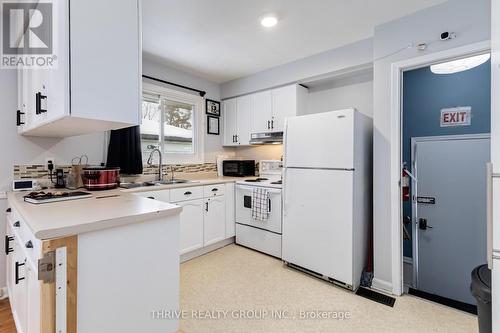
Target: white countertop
pixel 193 182
pixel 106 209
pixel 66 218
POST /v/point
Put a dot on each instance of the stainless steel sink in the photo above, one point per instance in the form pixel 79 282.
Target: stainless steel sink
pixel 155 183
pixel 170 182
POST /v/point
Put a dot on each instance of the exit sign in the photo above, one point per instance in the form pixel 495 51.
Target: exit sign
pixel 452 117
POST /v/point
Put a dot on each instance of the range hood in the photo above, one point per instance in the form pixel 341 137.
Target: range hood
pixel 275 138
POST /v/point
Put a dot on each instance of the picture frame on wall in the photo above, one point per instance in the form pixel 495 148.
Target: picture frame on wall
pixel 212 107
pixel 213 125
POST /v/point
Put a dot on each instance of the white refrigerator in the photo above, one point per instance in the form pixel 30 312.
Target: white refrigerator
pixel 327 189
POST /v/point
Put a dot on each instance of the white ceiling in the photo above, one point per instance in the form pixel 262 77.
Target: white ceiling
pixel 221 40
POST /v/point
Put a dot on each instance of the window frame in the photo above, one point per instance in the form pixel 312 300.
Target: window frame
pixel 198 123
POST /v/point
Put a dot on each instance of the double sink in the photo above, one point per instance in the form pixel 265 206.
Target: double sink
pixel 155 183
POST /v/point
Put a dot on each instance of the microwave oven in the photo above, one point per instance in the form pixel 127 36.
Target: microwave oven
pixel 238 168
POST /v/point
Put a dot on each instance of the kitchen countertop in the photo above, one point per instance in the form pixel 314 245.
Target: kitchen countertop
pixel 106 209
pixel 193 182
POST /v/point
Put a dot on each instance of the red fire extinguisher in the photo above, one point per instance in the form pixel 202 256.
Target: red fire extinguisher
pixel 405 185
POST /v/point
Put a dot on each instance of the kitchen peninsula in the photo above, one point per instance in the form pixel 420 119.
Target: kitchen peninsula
pixel 100 264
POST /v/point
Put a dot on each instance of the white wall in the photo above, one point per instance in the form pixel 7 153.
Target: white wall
pixel 354 92
pixel 323 64
pixel 470 20
pixel 153 67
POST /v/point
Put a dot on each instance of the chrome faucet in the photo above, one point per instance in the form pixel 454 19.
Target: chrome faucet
pixel 150 162
pixel 172 171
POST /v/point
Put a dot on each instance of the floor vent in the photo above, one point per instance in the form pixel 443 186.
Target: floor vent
pixel 377 297
pixel 472 309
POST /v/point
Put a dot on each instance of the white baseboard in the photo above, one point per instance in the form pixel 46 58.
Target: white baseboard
pixel 381 285
pixel 205 250
pixel 4 293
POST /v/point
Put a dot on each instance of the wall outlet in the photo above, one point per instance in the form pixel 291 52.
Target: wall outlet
pixel 51 159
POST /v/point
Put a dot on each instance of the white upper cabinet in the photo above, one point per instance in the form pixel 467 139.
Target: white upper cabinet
pixel 103 76
pixel 286 102
pixel 229 116
pixel 261 112
pixel 244 111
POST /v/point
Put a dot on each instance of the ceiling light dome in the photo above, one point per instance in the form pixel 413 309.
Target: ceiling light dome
pixel 269 21
pixel 460 65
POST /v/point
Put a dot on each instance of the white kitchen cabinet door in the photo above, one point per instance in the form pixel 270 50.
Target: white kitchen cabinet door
pixel 214 220
pixel 19 296
pixel 230 210
pixel 229 114
pixel 244 112
pixel 33 304
pixel 262 112
pixel 191 226
pixel 284 105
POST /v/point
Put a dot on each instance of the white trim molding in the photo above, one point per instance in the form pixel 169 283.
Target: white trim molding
pixel 397 69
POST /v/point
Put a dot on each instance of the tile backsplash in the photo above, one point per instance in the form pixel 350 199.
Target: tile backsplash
pixel 39 171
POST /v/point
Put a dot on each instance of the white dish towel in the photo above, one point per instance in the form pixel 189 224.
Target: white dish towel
pixel 260 204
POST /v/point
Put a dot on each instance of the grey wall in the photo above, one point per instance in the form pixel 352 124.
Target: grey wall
pixel 354 92
pixel 153 67
pixel 471 22
pixel 347 57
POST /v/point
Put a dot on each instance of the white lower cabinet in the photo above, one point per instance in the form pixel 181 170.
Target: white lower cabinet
pixel 191 226
pixel 22 280
pixel 208 213
pixel 214 220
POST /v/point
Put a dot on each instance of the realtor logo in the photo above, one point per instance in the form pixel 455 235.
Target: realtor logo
pixel 27 34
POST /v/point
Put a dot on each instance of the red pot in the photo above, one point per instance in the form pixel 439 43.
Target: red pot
pixel 100 178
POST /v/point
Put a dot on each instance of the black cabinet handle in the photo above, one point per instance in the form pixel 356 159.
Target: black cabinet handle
pixel 29 244
pixel 17 224
pixel 206 206
pixel 8 249
pixel 215 189
pixel 272 124
pixel 268 124
pixel 187 193
pixel 8 210
pixel 269 206
pixel 38 104
pixel 17 272
pixel 19 122
pixel 151 198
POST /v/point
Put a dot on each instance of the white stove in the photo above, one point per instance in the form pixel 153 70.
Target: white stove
pixel 263 236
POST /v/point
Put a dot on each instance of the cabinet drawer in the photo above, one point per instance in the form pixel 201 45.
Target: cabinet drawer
pixel 160 195
pixel 27 242
pixel 213 190
pixel 186 193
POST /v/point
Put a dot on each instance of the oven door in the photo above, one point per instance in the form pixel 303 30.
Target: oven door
pixel 244 209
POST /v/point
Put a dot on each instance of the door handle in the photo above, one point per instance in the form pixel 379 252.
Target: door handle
pixel 17 271
pixel 38 104
pixel 422 224
pixel 8 249
pixel 269 206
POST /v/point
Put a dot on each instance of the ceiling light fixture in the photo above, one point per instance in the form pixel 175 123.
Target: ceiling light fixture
pixel 460 65
pixel 269 21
